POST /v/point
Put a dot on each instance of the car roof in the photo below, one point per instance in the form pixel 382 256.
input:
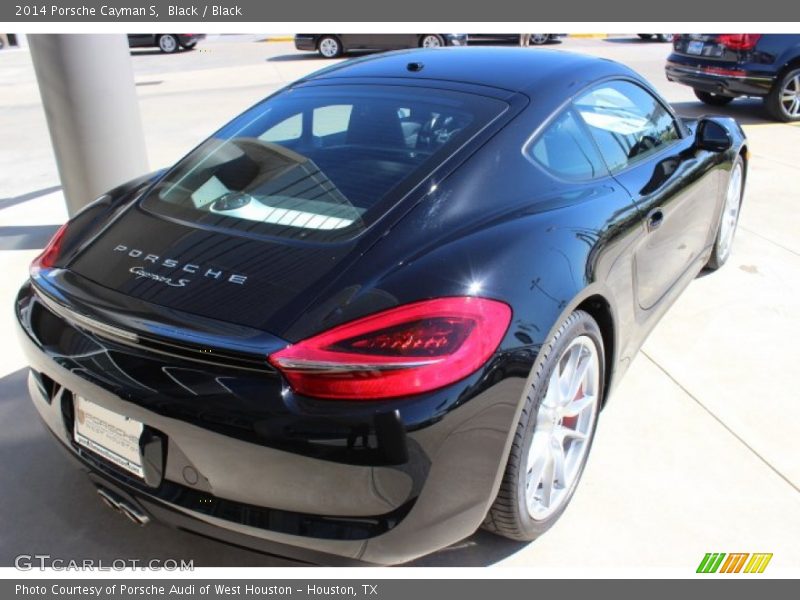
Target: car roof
pixel 513 69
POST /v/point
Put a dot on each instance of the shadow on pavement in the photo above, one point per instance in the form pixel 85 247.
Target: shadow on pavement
pixel 13 201
pixel 48 506
pixel 26 237
pixel 298 56
pixel 635 40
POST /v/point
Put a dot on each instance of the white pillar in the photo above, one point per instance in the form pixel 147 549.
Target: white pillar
pixel 87 89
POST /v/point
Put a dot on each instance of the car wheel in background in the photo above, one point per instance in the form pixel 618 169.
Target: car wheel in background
pixel 167 43
pixel 537 39
pixel 783 100
pixel 329 46
pixel 665 37
pixel 729 218
pixel 712 99
pixel 431 40
pixel 554 432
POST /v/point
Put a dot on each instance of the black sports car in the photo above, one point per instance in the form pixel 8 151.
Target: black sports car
pixel 381 308
pixel 166 42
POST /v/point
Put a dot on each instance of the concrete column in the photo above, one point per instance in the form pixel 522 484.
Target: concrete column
pixel 87 89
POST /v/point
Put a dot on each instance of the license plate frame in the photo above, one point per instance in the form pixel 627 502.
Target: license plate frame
pixel 695 47
pixel 114 437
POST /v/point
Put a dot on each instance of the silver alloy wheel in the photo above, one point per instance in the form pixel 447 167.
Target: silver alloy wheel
pixel 790 95
pixel 563 429
pixel 730 213
pixel 329 47
pixel 538 39
pixel 168 43
pixel 431 41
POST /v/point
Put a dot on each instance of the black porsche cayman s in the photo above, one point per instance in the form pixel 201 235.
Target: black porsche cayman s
pixel 381 308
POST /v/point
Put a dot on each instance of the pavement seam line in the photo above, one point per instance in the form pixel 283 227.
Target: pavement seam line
pixel 721 422
pixel 766 239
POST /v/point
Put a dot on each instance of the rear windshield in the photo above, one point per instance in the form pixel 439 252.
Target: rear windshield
pixel 319 162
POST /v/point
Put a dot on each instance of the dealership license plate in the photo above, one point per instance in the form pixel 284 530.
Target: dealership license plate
pixel 111 435
pixel 695 47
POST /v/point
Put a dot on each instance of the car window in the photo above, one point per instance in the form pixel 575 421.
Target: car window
pixel 627 122
pixel 565 149
pixel 319 162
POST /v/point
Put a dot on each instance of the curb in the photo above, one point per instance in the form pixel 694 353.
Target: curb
pixel 280 38
pixel 588 35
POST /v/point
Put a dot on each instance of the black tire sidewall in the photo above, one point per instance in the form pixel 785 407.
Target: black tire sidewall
pixel 583 324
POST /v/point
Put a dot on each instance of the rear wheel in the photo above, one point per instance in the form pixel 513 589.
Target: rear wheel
pixel 167 43
pixel 329 46
pixel 431 40
pixel 537 39
pixel 554 432
pixel 665 37
pixel 783 101
pixel 729 218
pixel 712 99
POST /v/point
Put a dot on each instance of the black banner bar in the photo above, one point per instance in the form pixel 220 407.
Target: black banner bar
pixel 446 11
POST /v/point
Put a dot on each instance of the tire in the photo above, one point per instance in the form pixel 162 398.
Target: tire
pixel 729 217
pixel 511 515
pixel 329 46
pixel 431 40
pixel 665 37
pixel 538 39
pixel 712 99
pixel 783 100
pixel 168 43
pixel 645 36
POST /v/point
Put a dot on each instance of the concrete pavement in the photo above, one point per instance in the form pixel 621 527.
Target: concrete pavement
pixel 696 452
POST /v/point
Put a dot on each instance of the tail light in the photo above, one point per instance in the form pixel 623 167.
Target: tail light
pixel 51 252
pixel 402 351
pixel 739 41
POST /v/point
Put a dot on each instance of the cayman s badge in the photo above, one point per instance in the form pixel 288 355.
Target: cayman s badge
pixel 140 273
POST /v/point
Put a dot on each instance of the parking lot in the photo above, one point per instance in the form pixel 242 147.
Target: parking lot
pixel 696 452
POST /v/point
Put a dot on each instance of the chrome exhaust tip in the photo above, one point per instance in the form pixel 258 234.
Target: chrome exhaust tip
pixel 120 505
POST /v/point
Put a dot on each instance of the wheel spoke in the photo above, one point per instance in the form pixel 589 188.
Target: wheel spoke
pixel 548 482
pixel 559 460
pixel 574 409
pixel 563 433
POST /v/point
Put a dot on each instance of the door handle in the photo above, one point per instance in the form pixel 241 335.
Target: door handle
pixel 655 218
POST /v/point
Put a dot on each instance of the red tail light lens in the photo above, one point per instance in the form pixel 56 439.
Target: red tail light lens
pixel 739 41
pixel 51 252
pixel 407 350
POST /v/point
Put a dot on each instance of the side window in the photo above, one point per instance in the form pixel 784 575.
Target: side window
pixel 627 122
pixel 287 130
pixel 331 119
pixel 564 148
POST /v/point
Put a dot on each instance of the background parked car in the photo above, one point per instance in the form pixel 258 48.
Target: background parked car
pixel 537 39
pixel 166 42
pixel 331 45
pixel 724 66
pixel 660 37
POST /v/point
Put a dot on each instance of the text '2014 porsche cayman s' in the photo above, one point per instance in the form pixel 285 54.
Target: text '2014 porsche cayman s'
pixel 381 308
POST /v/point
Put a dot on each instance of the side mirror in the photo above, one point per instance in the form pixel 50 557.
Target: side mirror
pixel 712 136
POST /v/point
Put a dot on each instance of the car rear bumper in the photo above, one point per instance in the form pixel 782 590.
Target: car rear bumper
pixel 279 501
pixel 305 42
pixel 719 80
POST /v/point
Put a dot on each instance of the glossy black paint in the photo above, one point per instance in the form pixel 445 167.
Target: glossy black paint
pixel 422 471
pixel 756 69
